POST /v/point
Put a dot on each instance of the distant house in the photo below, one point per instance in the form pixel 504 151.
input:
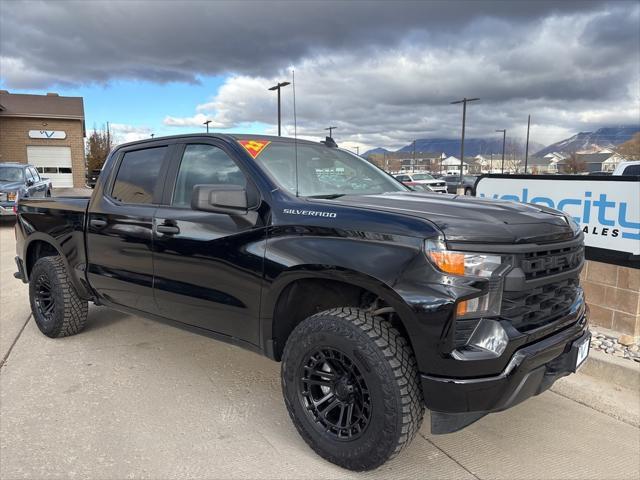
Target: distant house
pixel 452 164
pixel 602 161
pixel 543 165
pixel 423 161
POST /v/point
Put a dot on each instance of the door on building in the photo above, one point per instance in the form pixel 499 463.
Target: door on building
pixel 53 163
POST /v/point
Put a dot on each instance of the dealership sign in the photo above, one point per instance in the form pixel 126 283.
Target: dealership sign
pixel 606 208
pixel 51 134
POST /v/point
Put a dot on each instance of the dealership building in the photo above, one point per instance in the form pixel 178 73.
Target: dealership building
pixel 46 131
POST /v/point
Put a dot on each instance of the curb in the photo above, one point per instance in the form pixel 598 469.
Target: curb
pixel 616 371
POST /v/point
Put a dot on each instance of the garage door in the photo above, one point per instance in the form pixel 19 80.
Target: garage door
pixel 53 163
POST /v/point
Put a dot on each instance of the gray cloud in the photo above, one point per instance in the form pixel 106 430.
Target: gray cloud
pixel 385 72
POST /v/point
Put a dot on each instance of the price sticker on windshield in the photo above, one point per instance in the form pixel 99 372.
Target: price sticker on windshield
pixel 254 147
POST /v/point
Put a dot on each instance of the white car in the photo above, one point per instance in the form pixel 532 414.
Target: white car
pixel 627 168
pixel 410 179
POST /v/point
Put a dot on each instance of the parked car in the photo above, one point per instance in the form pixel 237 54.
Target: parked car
pixel 600 173
pixel 453 181
pixel 92 178
pixel 411 179
pixel 19 179
pixel 377 301
pixel 627 168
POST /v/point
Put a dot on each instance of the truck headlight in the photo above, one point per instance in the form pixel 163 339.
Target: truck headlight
pixel 471 264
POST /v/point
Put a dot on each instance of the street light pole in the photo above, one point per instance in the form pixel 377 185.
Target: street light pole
pixel 526 151
pixel 277 87
pixel 331 129
pixel 504 140
pixel 464 121
pixel 207 124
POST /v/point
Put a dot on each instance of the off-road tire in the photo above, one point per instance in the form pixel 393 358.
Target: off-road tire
pixel 388 366
pixel 69 314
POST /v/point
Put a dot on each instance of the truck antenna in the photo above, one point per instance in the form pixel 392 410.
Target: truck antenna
pixel 295 127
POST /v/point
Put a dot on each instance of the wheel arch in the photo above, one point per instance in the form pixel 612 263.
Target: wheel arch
pixel 40 245
pixel 332 287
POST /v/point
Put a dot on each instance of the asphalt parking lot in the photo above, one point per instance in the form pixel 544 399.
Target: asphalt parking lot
pixel 132 398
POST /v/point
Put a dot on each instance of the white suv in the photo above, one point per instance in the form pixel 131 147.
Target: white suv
pixel 410 179
pixel 627 168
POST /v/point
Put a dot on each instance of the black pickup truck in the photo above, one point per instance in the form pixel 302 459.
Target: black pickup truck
pixel 378 300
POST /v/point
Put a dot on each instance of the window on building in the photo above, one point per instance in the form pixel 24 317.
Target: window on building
pixel 204 165
pixel 138 176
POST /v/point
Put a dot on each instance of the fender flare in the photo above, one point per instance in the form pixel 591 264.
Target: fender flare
pixel 274 292
pixel 82 288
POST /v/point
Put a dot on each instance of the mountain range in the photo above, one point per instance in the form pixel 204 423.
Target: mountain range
pixel 601 138
pixel 606 137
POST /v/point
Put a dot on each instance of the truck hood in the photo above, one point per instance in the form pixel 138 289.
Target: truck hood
pixel 470 219
pixel 10 186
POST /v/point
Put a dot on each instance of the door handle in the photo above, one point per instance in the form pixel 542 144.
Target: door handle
pixel 98 223
pixel 168 229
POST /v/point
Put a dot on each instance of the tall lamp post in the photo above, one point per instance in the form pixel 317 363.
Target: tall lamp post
pixel 207 124
pixel 464 120
pixel 278 87
pixel 526 151
pixel 504 141
pixel 331 129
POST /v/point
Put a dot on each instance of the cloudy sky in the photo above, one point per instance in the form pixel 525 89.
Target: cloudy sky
pixel 384 73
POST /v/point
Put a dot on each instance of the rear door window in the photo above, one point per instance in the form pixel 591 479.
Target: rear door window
pixel 138 177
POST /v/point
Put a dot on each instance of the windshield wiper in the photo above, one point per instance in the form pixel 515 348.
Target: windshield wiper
pixel 329 196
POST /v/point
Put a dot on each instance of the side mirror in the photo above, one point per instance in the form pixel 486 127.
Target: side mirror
pixel 29 182
pixel 229 199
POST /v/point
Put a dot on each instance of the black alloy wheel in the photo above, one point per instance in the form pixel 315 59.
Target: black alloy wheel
pixel 335 394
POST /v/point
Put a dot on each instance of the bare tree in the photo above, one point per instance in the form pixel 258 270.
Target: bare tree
pixel 573 163
pixel 631 148
pixel 99 144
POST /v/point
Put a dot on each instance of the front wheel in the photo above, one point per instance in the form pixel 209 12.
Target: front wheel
pixel 351 387
pixel 55 304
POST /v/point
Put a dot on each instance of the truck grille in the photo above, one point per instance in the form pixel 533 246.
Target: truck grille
pixel 549 262
pixel 539 306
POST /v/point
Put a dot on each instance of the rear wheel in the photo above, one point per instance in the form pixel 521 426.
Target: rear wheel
pixel 55 304
pixel 351 387
pixel 468 191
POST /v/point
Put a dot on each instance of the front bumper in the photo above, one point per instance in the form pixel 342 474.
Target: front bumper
pixel 455 403
pixel 6 209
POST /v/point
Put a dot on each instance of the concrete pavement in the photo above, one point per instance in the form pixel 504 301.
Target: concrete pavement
pixel 132 398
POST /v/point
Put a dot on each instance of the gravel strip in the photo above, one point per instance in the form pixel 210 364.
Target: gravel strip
pixel 621 346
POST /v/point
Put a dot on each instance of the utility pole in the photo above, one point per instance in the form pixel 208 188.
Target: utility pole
pixel 277 87
pixel 357 150
pixel 464 121
pixel 504 140
pixel 331 129
pixel 207 124
pixel 413 164
pixel 526 150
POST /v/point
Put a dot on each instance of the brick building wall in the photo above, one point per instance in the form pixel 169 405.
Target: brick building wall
pixel 613 295
pixel 14 139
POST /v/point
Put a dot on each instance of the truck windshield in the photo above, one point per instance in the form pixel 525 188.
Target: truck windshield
pixel 11 174
pixel 324 172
